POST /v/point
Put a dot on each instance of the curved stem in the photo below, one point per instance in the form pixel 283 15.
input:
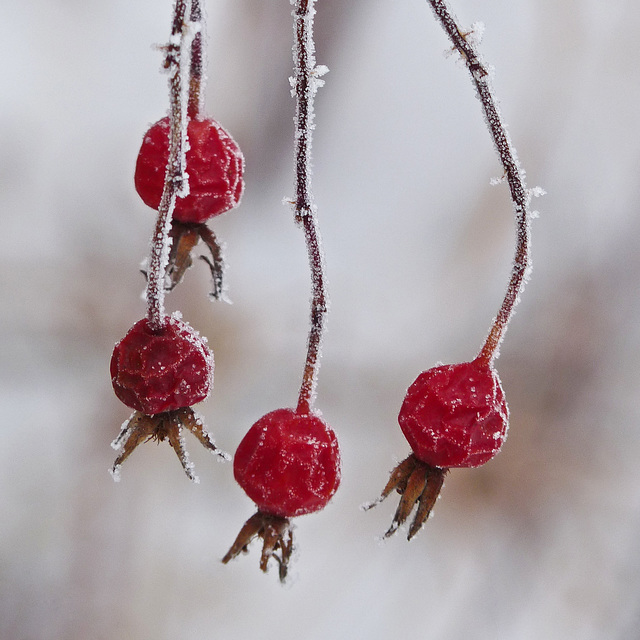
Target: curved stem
pixel 305 84
pixel 520 195
pixel 175 183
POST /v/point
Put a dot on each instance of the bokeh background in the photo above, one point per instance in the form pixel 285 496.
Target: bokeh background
pixel 544 541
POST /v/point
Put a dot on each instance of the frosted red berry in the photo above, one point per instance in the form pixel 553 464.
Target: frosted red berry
pixel 154 371
pixel 455 415
pixel 214 164
pixel 288 463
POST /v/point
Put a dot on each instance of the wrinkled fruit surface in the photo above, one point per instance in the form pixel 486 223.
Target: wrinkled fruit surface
pixel 214 164
pixel 288 463
pixel 153 372
pixel 455 415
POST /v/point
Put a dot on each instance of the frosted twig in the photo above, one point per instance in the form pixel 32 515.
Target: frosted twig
pixel 305 84
pixel 176 184
pixel 196 78
pixel 520 196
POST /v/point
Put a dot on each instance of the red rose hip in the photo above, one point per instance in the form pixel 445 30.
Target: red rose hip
pixel 288 463
pixel 452 416
pixel 455 415
pixel 214 164
pixel 160 374
pixel 158 371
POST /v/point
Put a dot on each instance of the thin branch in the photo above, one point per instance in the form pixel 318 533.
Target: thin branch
pixel 197 77
pixel 176 183
pixel 305 84
pixel 520 195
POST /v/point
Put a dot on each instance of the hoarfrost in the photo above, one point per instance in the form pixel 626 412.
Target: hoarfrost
pixel 125 432
pixel 537 192
pixel 476 34
pixel 115 474
pixel 187 465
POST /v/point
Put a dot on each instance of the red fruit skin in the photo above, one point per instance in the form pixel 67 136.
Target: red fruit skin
pixel 455 415
pixel 154 372
pixel 288 463
pixel 214 164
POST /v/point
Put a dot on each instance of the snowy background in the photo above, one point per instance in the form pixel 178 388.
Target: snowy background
pixel 543 542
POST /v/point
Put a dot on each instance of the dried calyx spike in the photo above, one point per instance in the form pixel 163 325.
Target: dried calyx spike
pixel 289 461
pixel 162 366
pixel 456 415
pixel 213 162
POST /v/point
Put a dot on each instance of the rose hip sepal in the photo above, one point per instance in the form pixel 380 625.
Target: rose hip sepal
pixel 288 463
pixel 452 416
pixel 215 167
pixel 160 374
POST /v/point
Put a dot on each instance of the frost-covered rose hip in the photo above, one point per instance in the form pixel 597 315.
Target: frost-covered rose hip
pixel 164 370
pixel 161 373
pixel 214 164
pixel 452 416
pixel 288 463
pixel 455 415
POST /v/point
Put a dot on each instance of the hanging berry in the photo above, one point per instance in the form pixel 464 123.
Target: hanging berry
pixel 289 463
pixel 456 415
pixel 452 416
pixel 161 373
pixel 214 164
pixel 160 370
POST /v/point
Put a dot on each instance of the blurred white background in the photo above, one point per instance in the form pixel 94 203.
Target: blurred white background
pixel 544 541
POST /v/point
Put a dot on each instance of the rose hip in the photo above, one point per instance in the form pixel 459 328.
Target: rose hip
pixel 452 416
pixel 288 463
pixel 158 371
pixel 161 374
pixel 455 415
pixel 214 164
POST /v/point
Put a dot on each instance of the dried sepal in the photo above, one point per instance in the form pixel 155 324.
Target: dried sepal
pixel 418 484
pixel 277 536
pixel 168 425
pixel 216 262
pixel 184 238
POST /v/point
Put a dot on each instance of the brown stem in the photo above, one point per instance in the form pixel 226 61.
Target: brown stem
pixel 306 84
pixel 196 81
pixel 520 195
pixel 175 183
